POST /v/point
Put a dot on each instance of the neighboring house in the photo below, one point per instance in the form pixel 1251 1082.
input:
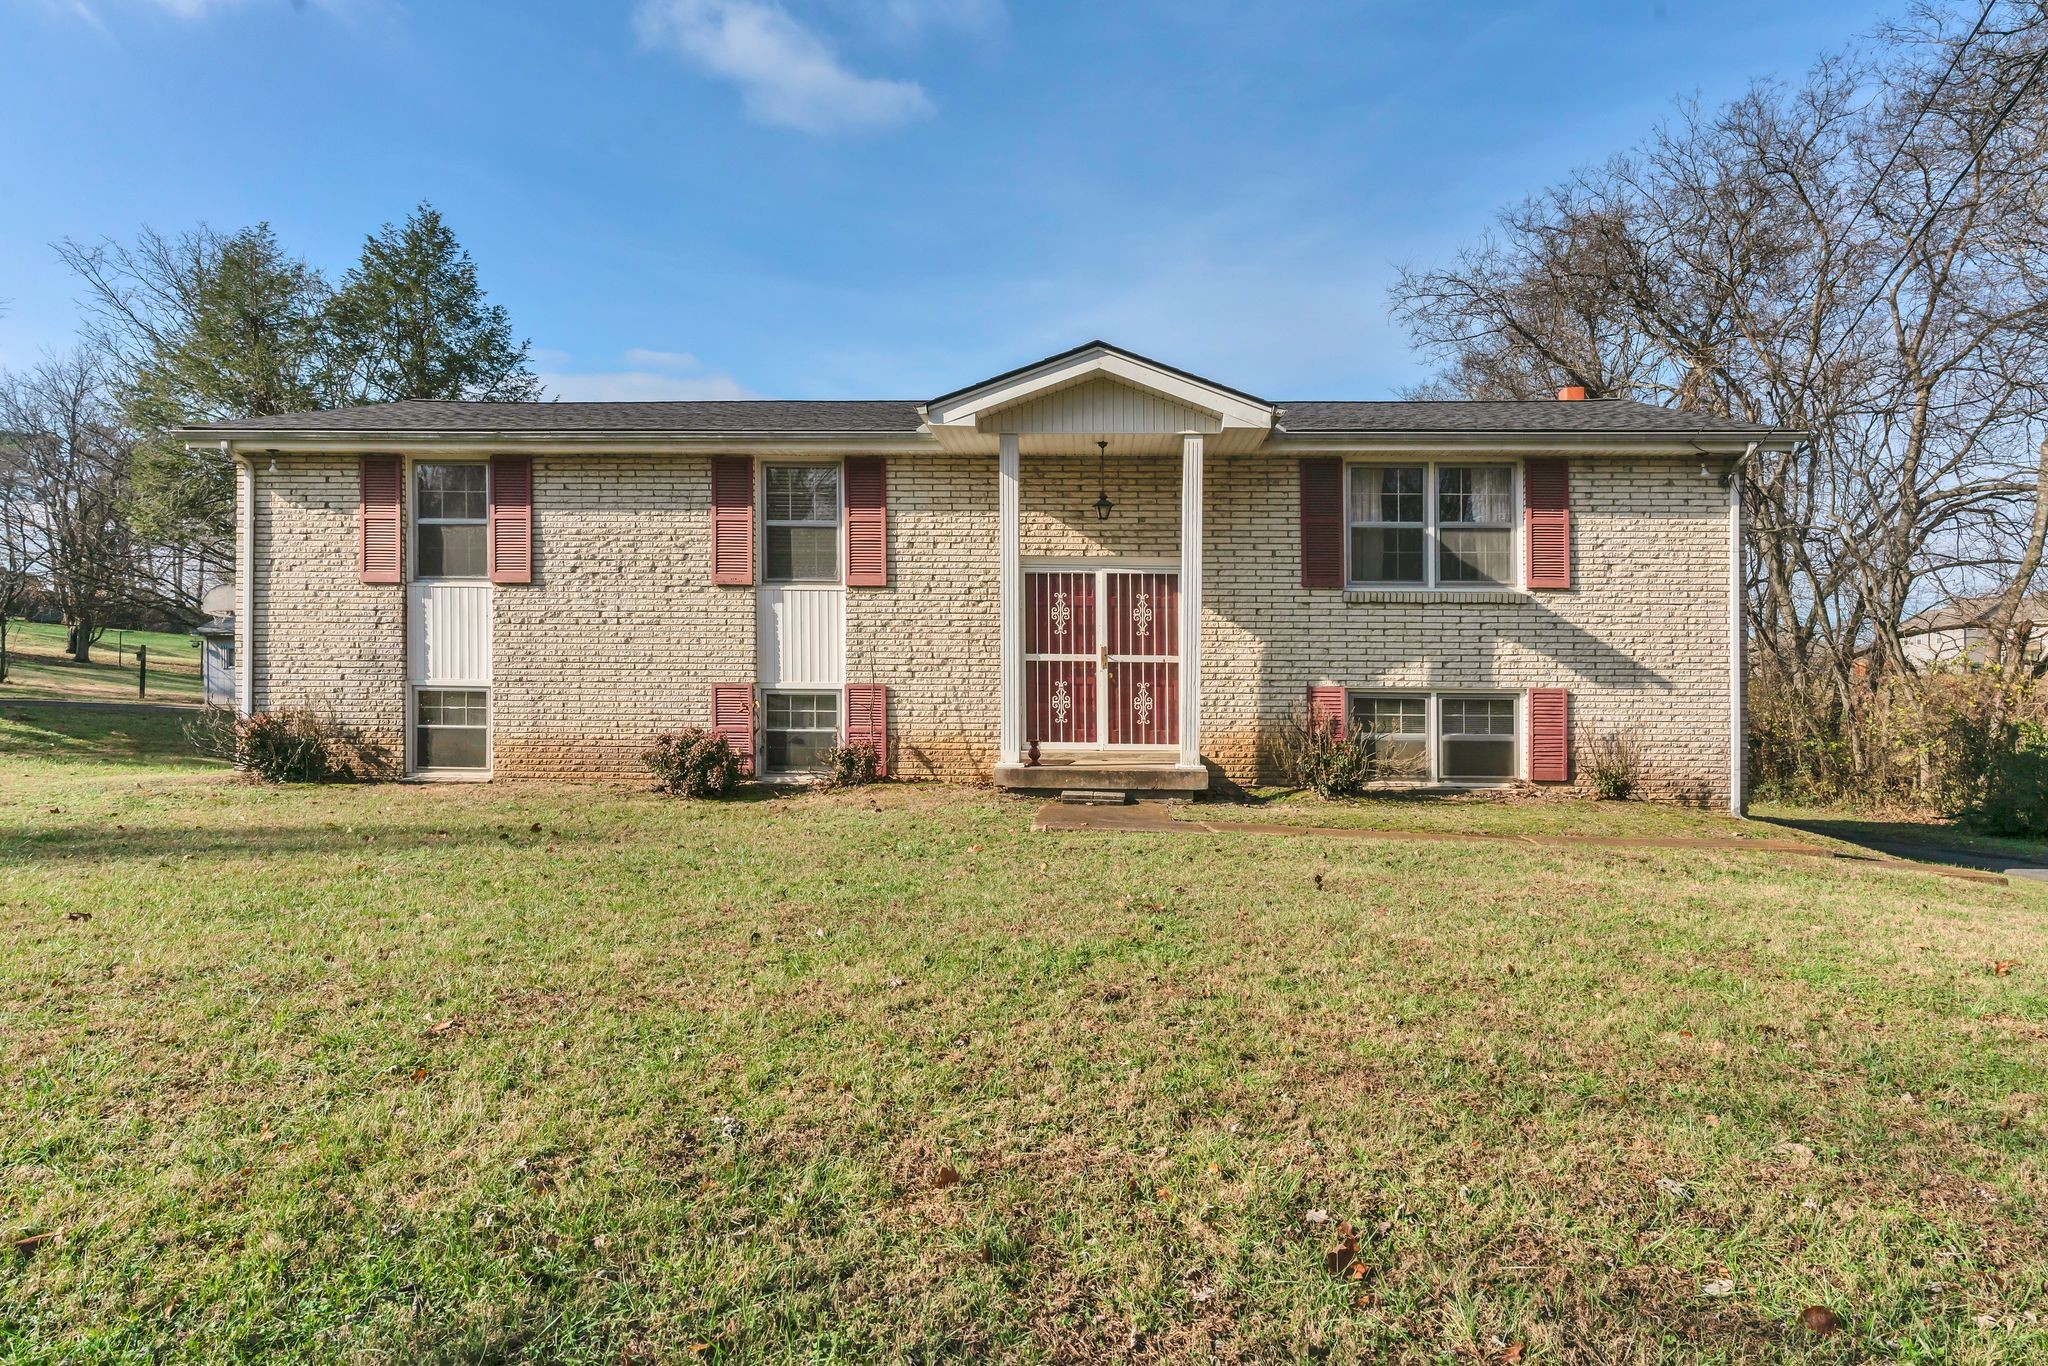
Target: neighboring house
pixel 1139 573
pixel 216 637
pixel 1965 630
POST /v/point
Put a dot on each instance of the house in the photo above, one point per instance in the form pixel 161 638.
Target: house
pixel 216 637
pixel 1095 570
pixel 1965 630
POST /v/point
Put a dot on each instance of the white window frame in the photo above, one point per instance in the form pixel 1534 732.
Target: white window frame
pixel 838 526
pixel 838 733
pixel 412 732
pixel 414 521
pixel 1433 699
pixel 1431 579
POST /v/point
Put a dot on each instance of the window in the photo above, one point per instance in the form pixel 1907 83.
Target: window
pixel 801 727
pixel 1387 526
pixel 1424 526
pixel 1396 732
pixel 1436 737
pixel 1477 738
pixel 452 506
pixel 803 524
pixel 452 728
pixel 1475 524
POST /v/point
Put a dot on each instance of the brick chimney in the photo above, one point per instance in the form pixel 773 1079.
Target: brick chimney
pixel 1571 393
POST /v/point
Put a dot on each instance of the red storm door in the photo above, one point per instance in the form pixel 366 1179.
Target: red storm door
pixel 1101 658
pixel 1060 661
pixel 1141 620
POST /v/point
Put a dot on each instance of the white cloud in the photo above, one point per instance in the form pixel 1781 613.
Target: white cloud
pixel 647 375
pixel 788 74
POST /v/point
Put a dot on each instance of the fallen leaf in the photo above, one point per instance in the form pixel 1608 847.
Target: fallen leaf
pixel 78 915
pixel 1798 1154
pixel 1512 1355
pixel 944 1177
pixel 1820 1320
pixel 534 828
pixel 33 1241
pixel 1671 1187
pixel 443 1027
pixel 1718 1290
pixel 1340 1259
pixel 2004 968
pixel 1318 1216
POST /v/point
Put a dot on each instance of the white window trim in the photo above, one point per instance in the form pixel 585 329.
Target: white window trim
pixel 1432 699
pixel 798 775
pixel 413 521
pixel 412 732
pixel 838 580
pixel 1516 581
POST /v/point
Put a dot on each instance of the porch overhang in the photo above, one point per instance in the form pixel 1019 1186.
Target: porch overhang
pixel 1098 392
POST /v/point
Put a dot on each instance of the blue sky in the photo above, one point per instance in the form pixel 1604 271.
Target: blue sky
pixel 859 198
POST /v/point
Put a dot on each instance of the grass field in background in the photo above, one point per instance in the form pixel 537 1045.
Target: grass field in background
pixel 520 1072
pixel 38 667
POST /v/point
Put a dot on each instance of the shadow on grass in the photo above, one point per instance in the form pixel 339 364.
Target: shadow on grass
pixel 96 843
pixel 99 734
pixel 1930 837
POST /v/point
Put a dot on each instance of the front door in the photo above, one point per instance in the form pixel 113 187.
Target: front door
pixel 1101 658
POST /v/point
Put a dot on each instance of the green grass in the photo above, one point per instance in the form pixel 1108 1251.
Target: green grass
pixel 38 667
pixel 490 1073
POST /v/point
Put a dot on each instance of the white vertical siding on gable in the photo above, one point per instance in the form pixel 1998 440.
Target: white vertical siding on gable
pixel 803 635
pixel 1106 408
pixel 448 632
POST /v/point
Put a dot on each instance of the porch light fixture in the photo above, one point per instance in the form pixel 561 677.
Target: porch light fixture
pixel 1102 504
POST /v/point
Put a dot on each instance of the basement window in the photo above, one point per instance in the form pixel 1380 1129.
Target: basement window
pixel 452 729
pixel 800 727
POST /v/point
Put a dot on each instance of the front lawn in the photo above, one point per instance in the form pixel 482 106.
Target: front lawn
pixel 484 1073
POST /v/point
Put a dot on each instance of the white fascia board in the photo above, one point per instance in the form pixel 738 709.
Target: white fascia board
pixel 554 443
pixel 1577 443
pixel 967 408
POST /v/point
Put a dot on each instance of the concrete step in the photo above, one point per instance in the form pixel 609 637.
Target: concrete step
pixel 1082 796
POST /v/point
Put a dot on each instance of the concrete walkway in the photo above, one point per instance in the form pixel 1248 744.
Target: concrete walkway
pixel 1158 818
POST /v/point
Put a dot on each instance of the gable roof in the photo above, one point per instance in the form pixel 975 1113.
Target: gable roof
pixel 1978 610
pixel 954 418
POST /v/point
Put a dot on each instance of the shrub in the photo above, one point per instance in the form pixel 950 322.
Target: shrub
pixel 297 745
pixel 693 763
pixel 1312 756
pixel 2007 790
pixel 1614 764
pixel 854 765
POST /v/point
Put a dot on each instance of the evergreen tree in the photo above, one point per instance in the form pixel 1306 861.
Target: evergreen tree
pixel 411 321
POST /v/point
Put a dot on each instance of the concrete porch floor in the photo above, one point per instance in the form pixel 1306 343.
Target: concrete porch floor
pixel 1133 770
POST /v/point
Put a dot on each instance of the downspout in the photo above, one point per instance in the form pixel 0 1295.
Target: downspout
pixel 1738 673
pixel 245 582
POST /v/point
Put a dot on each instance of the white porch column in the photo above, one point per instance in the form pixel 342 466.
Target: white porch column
pixel 1191 598
pixel 1010 602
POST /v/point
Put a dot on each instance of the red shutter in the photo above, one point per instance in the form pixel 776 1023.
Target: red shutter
pixel 1322 523
pixel 511 519
pixel 1326 708
pixel 867 720
pixel 1550 750
pixel 867 522
pixel 732 519
pixel 732 716
pixel 1547 521
pixel 380 519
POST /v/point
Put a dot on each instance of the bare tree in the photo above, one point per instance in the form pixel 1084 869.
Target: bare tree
pixel 1861 256
pixel 69 468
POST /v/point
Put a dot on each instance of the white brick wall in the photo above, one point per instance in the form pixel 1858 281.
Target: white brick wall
pixel 622 634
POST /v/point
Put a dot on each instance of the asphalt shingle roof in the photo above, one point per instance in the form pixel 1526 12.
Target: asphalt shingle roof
pixel 1599 415
pixel 1620 417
